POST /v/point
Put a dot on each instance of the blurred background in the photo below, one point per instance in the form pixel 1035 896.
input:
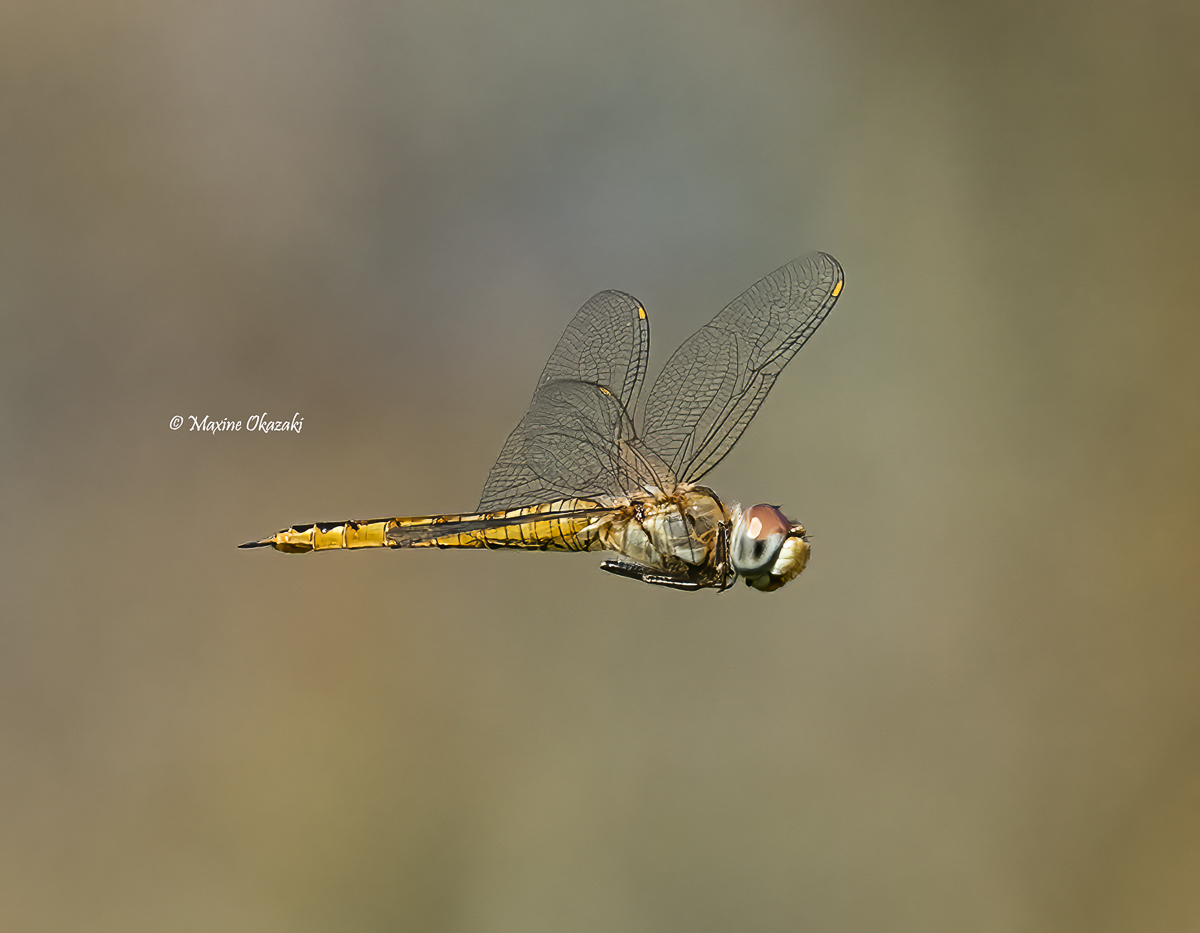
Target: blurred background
pixel 979 707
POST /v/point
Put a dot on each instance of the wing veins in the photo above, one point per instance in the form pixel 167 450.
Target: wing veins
pixel 761 330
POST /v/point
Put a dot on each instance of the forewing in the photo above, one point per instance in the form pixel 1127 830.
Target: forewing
pixel 716 381
pixel 577 437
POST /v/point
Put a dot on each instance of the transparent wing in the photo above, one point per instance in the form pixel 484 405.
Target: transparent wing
pixel 577 438
pixel 607 343
pixel 715 383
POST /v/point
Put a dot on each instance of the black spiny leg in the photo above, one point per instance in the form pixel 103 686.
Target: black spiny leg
pixel 725 574
pixel 650 575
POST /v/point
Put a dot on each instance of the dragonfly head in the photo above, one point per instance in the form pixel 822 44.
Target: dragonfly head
pixel 767 548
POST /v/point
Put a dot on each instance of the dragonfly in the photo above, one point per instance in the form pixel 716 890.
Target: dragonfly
pixel 591 466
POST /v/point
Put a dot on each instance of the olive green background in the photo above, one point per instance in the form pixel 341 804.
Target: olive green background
pixel 979 707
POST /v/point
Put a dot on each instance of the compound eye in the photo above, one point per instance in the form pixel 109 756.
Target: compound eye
pixel 757 538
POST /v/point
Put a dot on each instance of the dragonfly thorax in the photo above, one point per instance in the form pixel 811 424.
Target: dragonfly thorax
pixel 661 528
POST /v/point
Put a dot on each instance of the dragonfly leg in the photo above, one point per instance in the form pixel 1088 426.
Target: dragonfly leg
pixel 650 575
pixel 724 572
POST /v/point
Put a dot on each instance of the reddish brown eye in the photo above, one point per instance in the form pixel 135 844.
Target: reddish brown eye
pixel 758 535
pixel 762 521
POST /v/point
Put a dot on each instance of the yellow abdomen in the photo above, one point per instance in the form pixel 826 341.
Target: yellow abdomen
pixel 562 525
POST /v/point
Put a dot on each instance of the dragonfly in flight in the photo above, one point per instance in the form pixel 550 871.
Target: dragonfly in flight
pixel 587 469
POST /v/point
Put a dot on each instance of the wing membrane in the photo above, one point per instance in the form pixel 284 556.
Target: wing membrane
pixel 577 438
pixel 714 384
pixel 607 343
